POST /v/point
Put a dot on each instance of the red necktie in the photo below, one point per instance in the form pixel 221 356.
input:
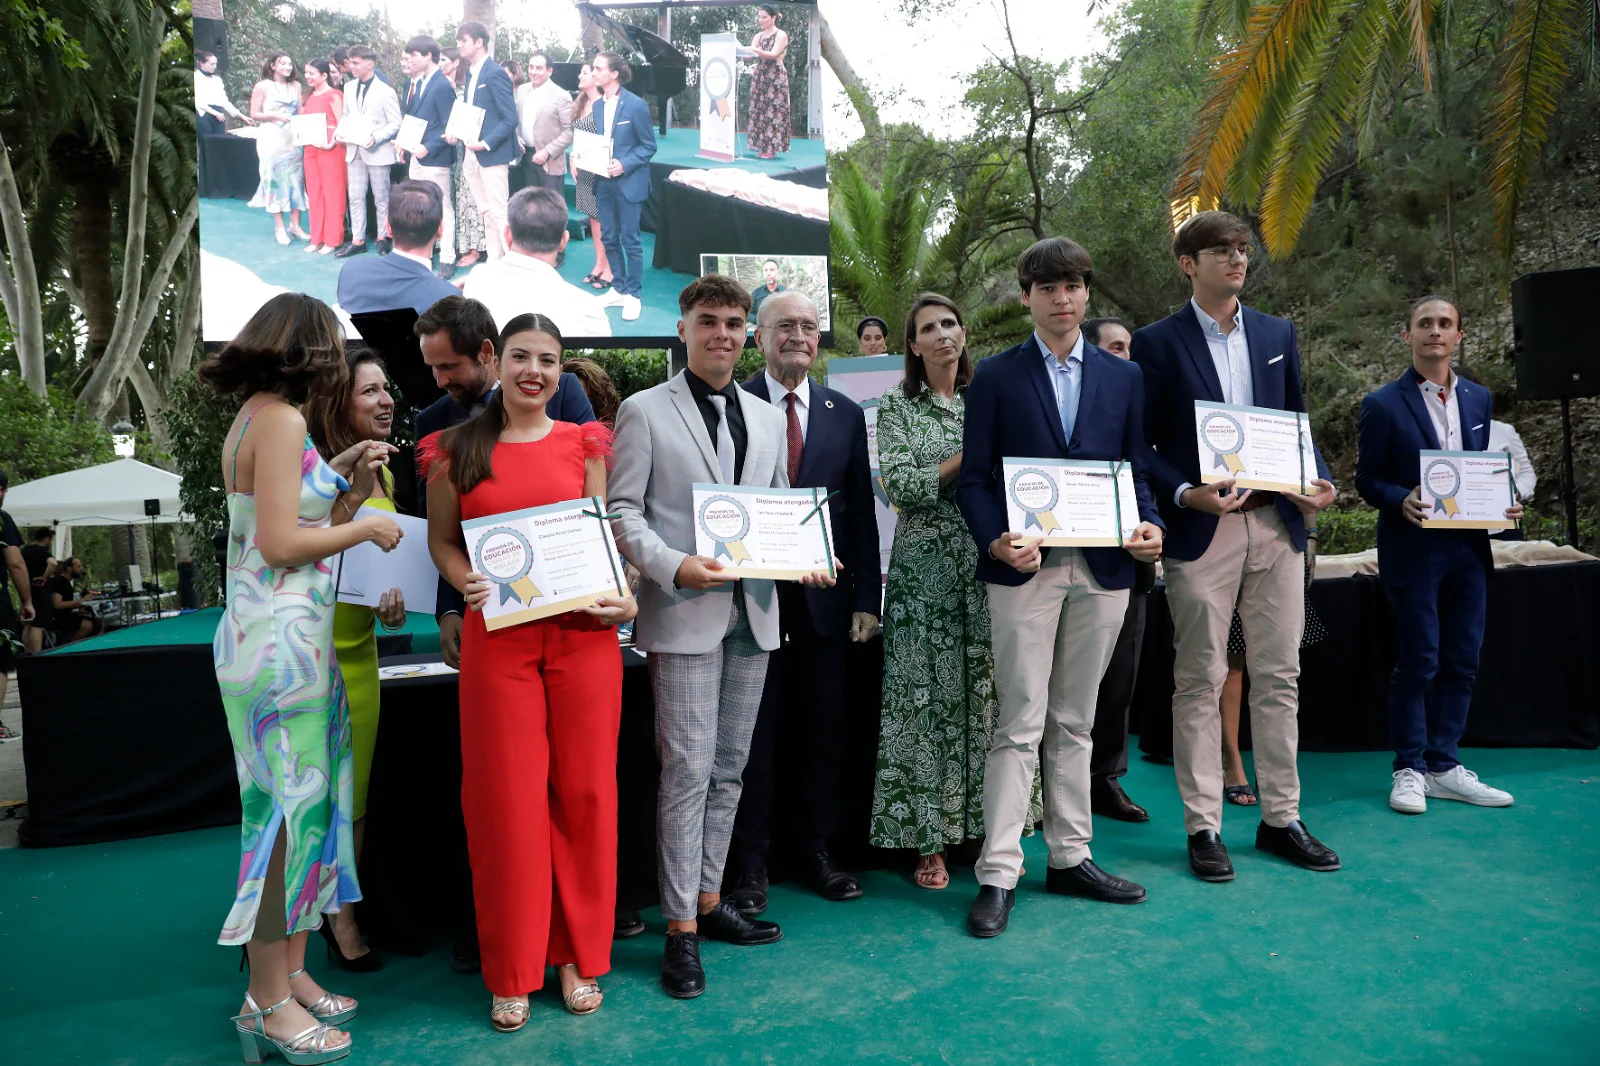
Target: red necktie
pixel 797 443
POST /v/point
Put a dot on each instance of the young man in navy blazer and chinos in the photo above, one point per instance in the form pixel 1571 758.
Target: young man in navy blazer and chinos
pixel 1055 613
pixel 486 163
pixel 803 704
pixel 620 197
pixel 430 96
pixel 1437 579
pixel 1227 549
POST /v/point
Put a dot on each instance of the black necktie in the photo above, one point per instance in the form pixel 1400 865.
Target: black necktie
pixel 361 93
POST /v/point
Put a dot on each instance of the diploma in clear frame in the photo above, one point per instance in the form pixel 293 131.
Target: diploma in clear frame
pixel 780 534
pixel 1258 447
pixel 1467 490
pixel 1071 503
pixel 544 561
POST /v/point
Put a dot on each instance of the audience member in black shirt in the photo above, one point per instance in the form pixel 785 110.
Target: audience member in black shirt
pixel 38 557
pixel 70 618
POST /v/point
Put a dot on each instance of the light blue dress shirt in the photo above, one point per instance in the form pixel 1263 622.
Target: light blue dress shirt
pixel 1066 378
pixel 1230 354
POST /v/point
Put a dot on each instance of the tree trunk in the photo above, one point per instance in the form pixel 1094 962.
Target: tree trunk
pixel 854 87
pixel 91 233
pixel 19 280
pixel 479 11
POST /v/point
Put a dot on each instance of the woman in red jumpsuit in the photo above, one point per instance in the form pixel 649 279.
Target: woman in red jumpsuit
pixel 540 702
pixel 325 174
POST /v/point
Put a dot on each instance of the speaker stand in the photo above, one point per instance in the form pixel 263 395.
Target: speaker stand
pixel 1569 483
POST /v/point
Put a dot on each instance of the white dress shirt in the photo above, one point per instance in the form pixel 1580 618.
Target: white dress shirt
pixel 802 401
pixel 517 284
pixel 533 103
pixel 1445 411
pixel 210 94
pixel 472 82
pixel 428 263
pixel 1230 354
pixel 1503 438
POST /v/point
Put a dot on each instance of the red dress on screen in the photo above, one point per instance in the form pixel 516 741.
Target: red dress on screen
pixel 541 703
pixel 325 175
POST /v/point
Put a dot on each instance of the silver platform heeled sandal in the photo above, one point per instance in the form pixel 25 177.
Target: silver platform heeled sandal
pixel 327 1010
pixel 306 1048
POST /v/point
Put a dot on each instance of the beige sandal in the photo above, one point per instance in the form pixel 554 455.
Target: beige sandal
pixel 581 992
pixel 934 876
pixel 516 1009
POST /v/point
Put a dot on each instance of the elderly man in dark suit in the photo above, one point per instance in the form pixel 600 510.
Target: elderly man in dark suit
pixel 405 277
pixel 804 697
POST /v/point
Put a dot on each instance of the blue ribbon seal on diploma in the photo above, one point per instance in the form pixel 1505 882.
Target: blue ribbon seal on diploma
pixel 505 557
pixel 1224 437
pixel 727 523
pixel 1036 495
pixel 1443 481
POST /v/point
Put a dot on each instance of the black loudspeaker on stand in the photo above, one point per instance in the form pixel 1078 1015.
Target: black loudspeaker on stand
pixel 1558 354
pixel 152 509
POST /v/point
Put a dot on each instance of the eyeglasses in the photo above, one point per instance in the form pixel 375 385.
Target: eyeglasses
pixel 789 325
pixel 1224 252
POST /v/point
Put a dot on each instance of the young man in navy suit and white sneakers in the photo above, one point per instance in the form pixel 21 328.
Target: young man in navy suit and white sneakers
pixel 1437 579
pixel 430 96
pixel 486 165
pixel 620 195
pixel 1227 548
pixel 1055 612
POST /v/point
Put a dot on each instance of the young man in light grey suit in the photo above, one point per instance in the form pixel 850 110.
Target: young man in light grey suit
pixel 368 164
pixel 706 633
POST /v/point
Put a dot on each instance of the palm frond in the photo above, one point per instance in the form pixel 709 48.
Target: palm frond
pixel 1373 97
pixel 1419 20
pixel 1218 17
pixel 1538 50
pixel 1590 41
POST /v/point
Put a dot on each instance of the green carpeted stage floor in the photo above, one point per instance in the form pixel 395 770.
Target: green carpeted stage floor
pixel 1464 936
pixel 198 627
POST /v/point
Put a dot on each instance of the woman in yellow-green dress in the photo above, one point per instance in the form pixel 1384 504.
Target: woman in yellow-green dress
pixel 364 411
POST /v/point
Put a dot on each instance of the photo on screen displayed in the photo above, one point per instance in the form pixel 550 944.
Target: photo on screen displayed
pixel 767 275
pixel 617 144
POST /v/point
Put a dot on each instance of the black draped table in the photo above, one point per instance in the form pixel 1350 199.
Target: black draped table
pixel 692 222
pixel 228 168
pixel 649 216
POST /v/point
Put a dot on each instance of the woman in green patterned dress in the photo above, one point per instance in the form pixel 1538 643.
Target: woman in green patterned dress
pixel 939 703
pixel 289 511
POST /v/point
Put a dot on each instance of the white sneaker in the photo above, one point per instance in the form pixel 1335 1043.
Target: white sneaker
pixel 1459 783
pixel 631 307
pixel 1410 792
pixel 611 298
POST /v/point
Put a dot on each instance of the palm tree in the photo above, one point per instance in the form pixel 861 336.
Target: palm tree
pixel 879 241
pixel 1299 74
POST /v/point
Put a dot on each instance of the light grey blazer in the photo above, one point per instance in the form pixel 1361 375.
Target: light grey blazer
pixel 662 450
pixel 382 106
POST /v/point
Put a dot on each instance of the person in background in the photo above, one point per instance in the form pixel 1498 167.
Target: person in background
pixel 289 511
pixel 541 702
pixel 337 420
pixel 769 120
pixel 799 736
pixel 544 121
pixel 430 96
pixel 525 275
pixel 1437 579
pixel 514 72
pixel 621 194
pixel 211 104
pixel 472 243
pixel 1503 437
pixel 872 336
pixel 938 667
pixel 369 165
pixel 488 159
pixel 599 278
pixel 41 564
pixel 770 285
pixel 1108 759
pixel 273 102
pixel 324 164
pixel 70 616
pixel 598 386
pixel 405 277
pixel 11 619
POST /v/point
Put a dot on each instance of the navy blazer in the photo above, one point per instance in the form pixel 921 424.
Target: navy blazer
pixel 835 459
pixel 569 404
pixel 633 143
pixel 386 282
pixel 1011 411
pixel 494 94
pixel 434 105
pixel 1178 370
pixel 1395 430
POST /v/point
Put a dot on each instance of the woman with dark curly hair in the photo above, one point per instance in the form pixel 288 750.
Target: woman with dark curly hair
pixel 289 511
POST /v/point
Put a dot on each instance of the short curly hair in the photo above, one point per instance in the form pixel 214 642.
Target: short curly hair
pixel 293 345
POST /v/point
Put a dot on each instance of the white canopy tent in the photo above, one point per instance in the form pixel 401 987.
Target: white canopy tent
pixel 112 494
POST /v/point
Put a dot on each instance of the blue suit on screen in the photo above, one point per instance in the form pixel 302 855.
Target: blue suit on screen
pixel 621 200
pixel 387 282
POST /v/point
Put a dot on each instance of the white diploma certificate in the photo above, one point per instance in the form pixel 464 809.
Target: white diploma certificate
pixel 1259 447
pixel 543 561
pixel 412 130
pixel 354 128
pixel 366 571
pixel 783 534
pixel 1071 503
pixel 465 122
pixel 591 152
pixel 310 130
pixel 1467 490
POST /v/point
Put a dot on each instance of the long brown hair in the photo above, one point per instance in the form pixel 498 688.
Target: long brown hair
pixel 597 385
pixel 293 344
pixel 916 374
pixel 328 412
pixel 468 447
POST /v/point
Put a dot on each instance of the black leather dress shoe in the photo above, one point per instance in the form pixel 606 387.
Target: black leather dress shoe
pixel 991 911
pixel 1208 858
pixel 1088 880
pixel 385 246
pixel 445 271
pixel 1108 799
pixel 725 923
pixel 346 250
pixel 749 896
pixel 628 924
pixel 829 881
pixel 1295 843
pixel 681 973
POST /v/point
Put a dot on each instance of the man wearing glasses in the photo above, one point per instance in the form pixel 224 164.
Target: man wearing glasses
pixel 1228 548
pixel 803 705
